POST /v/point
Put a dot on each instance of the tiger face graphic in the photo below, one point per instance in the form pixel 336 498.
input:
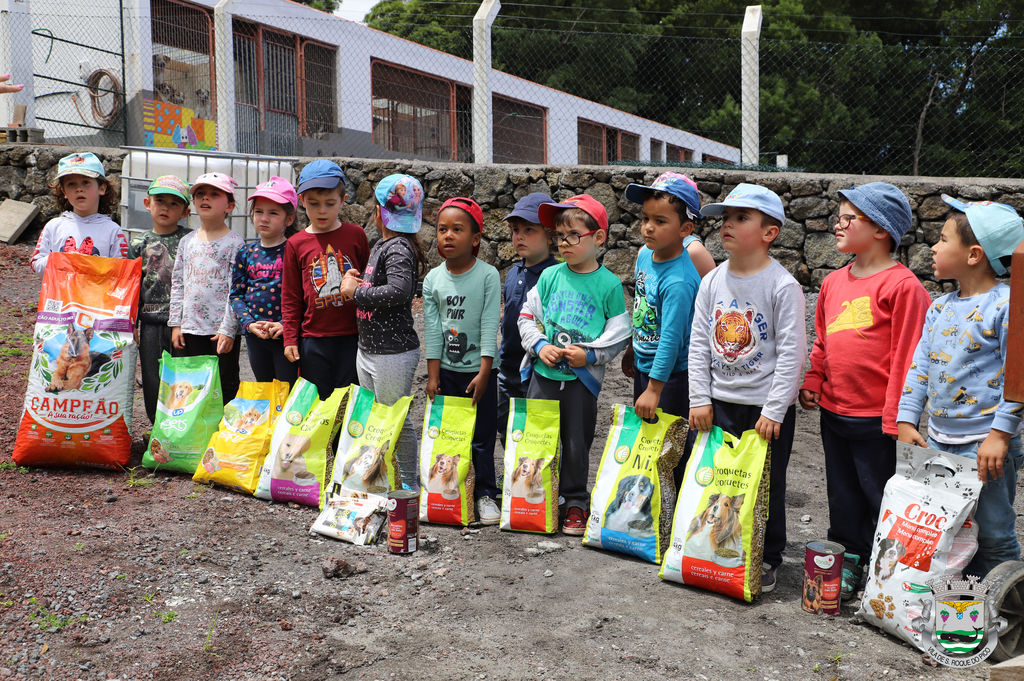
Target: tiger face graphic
pixel 732 335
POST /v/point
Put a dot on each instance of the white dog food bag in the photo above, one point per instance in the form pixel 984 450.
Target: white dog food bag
pixel 633 497
pixel 355 517
pixel 925 531
pixel 529 499
pixel 301 399
pixel 720 519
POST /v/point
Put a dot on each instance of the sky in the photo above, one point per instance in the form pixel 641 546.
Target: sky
pixel 355 10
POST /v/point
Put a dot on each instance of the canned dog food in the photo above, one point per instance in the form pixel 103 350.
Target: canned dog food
pixel 823 573
pixel 403 520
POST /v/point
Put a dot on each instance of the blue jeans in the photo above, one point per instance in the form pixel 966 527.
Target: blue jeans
pixel 997 538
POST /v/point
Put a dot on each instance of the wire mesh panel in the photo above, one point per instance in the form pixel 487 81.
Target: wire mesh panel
pixel 519 132
pixel 183 68
pixel 318 89
pixel 590 143
pixel 412 112
pixel 247 87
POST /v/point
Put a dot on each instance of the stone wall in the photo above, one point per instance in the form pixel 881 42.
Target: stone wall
pixel 805 245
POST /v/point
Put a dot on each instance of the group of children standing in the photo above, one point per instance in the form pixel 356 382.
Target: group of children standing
pixel 721 346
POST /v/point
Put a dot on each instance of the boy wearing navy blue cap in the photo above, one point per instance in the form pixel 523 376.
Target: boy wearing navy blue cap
pixel 320 330
pixel 532 242
pixel 966 331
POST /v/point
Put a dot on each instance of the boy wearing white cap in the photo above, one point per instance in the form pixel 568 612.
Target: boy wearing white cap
pixel 958 369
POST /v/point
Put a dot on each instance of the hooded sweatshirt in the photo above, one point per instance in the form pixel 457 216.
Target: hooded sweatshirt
pixel 94 234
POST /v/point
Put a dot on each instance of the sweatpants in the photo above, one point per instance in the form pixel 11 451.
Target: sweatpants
pixel 154 338
pixel 454 384
pixel 737 418
pixel 266 357
pixel 577 414
pixel 859 460
pixel 389 377
pixel 227 363
pixel 329 362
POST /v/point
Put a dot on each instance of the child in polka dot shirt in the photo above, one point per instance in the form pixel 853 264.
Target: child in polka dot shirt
pixel 256 280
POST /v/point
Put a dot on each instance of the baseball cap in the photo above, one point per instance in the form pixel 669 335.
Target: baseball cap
pixel 996 226
pixel 170 184
pixel 585 202
pixel 679 186
pixel 468 205
pixel 321 174
pixel 401 203
pixel 884 204
pixel 526 208
pixel 278 190
pixel 220 181
pixel 80 164
pixel 746 195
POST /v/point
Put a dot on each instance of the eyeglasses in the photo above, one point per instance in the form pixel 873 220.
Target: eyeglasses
pixel 843 221
pixel 572 238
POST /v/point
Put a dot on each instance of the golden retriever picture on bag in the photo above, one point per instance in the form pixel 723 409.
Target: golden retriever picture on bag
pixel 716 533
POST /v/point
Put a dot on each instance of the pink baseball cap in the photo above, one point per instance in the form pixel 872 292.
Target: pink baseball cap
pixel 220 181
pixel 278 190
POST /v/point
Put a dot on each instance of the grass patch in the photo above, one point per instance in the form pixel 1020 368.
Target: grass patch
pixel 49 620
pixel 79 546
pixel 168 616
pixel 11 466
pixel 138 478
pixel 208 643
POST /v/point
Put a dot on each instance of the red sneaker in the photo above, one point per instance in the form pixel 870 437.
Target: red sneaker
pixel 575 521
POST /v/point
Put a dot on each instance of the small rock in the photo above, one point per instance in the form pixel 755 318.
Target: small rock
pixel 336 567
pixel 286 625
pixel 440 572
pixel 296 594
pixel 549 573
pixel 805 518
pixel 549 546
pixel 531 551
pixel 110 498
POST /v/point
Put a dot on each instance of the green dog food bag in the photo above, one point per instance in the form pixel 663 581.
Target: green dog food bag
pixel 189 410
pixel 529 499
pixel 301 400
pixel 447 476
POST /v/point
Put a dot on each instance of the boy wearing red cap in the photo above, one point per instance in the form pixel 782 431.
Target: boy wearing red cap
pixel 572 324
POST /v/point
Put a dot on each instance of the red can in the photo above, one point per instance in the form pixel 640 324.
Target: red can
pixel 823 575
pixel 403 520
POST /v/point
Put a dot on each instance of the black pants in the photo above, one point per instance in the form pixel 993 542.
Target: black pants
pixel 675 400
pixel 577 420
pixel 227 363
pixel 507 389
pixel 266 357
pixel 737 418
pixel 329 362
pixel 454 384
pixel 859 460
pixel 154 338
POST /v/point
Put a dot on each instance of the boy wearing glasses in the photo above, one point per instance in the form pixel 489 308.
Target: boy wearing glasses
pixel 574 322
pixel 867 322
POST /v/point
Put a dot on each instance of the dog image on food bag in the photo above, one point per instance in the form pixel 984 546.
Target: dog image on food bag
pixel 630 512
pixel 717 533
pixel 813 589
pixel 444 477
pixel 889 553
pixel 75 361
pixel 528 480
pixel 367 470
pixel 179 395
pixel 290 461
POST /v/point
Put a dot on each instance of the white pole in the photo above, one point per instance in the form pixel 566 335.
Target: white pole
pixel 482 127
pixel 750 84
pixel 16 54
pixel 224 55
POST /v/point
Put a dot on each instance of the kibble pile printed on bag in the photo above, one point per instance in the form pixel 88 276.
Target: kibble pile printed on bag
pixel 631 505
pixel 529 502
pixel 188 411
pixel 720 519
pixel 81 384
pixel 447 475
pixel 365 459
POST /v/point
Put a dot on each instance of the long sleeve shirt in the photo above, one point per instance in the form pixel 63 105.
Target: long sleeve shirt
pixel 69 232
pixel 384 299
pixel 157 252
pixel 663 313
pixel 201 283
pixel 518 282
pixel 256 284
pixel 460 315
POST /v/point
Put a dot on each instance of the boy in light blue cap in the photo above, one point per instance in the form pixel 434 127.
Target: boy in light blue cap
pixel 967 331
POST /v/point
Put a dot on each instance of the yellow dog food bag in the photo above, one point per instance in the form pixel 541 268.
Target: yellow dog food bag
pixel 631 504
pixel 529 499
pixel 447 476
pixel 236 451
pixel 720 519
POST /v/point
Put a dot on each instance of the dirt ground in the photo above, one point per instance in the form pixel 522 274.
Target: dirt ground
pixel 127 576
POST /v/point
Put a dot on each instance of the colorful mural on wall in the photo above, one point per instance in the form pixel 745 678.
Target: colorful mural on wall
pixel 165 124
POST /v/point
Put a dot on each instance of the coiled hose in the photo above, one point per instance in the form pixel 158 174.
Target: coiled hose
pixel 92 86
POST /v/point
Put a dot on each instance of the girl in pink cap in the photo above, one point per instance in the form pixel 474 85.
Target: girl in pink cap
pixel 256 280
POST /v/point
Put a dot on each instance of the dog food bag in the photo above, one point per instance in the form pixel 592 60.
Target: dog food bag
pixel 631 504
pixel 188 411
pixel 301 400
pixel 355 517
pixel 235 453
pixel 365 460
pixel 81 384
pixel 719 524
pixel 925 531
pixel 447 476
pixel 529 501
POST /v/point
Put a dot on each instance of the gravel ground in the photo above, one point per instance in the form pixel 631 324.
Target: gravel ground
pixel 129 576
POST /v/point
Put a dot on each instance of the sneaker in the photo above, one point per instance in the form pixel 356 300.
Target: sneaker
pixel 852 574
pixel 487 511
pixel 575 521
pixel 767 579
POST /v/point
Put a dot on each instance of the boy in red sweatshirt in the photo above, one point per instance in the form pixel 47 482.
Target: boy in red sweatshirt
pixel 867 322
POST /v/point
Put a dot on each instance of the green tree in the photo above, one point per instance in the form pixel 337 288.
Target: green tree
pixel 329 6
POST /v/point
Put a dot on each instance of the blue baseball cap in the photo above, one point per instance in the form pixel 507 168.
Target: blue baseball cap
pixel 321 174
pixel 528 207
pixel 401 203
pixel 679 186
pixel 80 164
pixel 749 196
pixel 884 204
pixel 996 226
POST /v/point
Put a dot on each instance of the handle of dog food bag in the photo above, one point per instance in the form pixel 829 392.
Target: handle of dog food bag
pixel 935 467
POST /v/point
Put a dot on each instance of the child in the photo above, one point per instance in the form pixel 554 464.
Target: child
pixel 84 197
pixel 460 317
pixel 167 202
pixel 666 286
pixel 748 345
pixel 572 324
pixel 532 242
pixel 256 280
pixel 315 314
pixel 201 281
pixel 958 368
pixel 389 348
pixel 867 323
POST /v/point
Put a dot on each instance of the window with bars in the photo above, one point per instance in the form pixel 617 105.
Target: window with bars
pixel 601 144
pixel 657 151
pixel 520 131
pixel 183 65
pixel 415 113
pixel 590 142
pixel 679 154
pixel 707 158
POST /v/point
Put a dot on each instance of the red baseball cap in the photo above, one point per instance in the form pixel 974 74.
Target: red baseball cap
pixel 468 205
pixel 585 202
